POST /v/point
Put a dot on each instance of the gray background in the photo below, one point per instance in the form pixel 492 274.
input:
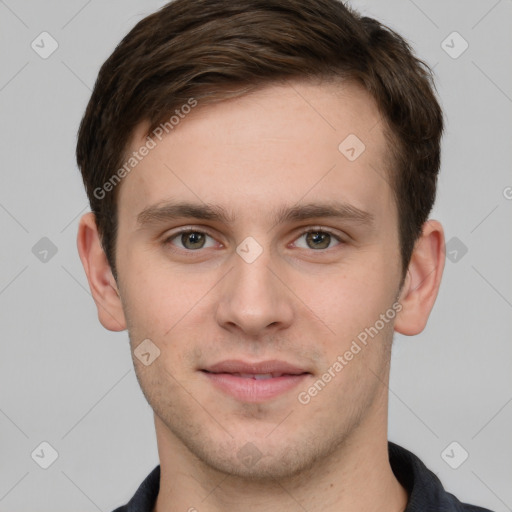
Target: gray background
pixel 67 381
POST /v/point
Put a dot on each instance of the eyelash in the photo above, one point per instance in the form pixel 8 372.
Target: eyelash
pixel 169 239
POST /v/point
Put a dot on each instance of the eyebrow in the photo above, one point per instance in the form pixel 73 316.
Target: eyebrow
pixel 167 211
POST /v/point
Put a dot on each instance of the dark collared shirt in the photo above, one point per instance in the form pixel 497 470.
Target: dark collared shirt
pixel 426 493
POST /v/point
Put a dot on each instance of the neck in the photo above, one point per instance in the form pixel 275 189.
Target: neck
pixel 356 477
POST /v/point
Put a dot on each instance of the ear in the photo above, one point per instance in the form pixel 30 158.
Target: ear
pixel 101 280
pixel 423 279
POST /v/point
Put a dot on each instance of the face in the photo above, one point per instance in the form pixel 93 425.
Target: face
pixel 257 295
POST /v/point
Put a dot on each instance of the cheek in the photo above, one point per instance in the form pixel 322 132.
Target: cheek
pixel 353 310
pixel 155 295
pixel 351 299
pixel 169 309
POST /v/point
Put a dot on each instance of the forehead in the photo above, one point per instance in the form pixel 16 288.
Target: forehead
pixel 280 144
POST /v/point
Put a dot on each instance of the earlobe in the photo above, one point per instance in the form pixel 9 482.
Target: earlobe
pixel 99 275
pixel 422 281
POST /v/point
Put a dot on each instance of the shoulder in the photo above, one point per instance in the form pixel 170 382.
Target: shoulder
pixel 425 490
pixel 466 507
pixel 145 497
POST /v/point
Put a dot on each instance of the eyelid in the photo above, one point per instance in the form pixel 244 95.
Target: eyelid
pixel 313 229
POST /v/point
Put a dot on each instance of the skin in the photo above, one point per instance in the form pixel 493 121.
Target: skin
pixel 277 147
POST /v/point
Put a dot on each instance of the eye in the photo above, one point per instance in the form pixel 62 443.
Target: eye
pixel 194 239
pixel 190 239
pixel 318 239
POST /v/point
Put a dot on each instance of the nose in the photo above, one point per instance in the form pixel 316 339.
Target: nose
pixel 254 298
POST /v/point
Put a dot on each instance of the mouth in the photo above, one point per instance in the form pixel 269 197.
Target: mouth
pixel 255 382
pixel 256 376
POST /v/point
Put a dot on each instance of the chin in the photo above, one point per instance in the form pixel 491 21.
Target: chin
pixel 268 468
pixel 261 460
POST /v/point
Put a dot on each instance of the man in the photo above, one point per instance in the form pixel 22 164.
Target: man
pixel 260 176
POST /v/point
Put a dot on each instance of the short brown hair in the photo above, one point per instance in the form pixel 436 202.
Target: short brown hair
pixel 211 50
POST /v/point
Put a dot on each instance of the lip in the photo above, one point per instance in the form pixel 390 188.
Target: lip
pixel 270 366
pixel 233 377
